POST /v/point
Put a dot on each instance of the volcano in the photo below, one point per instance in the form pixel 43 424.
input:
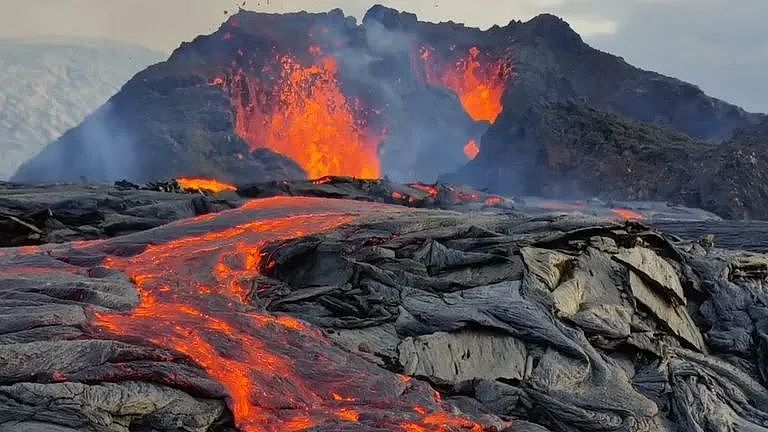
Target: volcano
pixel 295 96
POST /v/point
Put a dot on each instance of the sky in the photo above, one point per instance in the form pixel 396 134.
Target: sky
pixel 719 45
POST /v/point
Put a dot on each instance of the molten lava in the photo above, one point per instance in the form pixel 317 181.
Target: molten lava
pixel 471 150
pixel 208 185
pixel 280 373
pixel 478 81
pixel 627 215
pixel 432 189
pixel 306 117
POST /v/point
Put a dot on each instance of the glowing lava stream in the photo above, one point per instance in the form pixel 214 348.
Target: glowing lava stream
pixel 280 373
pixel 210 185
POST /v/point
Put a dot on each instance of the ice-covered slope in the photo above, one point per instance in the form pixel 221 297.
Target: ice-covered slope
pixel 49 86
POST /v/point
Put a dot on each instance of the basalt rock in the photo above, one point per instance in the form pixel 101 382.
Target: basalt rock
pixel 502 321
pixel 594 335
pixel 570 149
pixel 57 213
pixel 420 195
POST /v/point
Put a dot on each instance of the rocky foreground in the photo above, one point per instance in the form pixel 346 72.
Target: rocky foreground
pixel 302 313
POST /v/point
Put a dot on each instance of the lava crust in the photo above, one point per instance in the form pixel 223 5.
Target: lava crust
pixel 300 313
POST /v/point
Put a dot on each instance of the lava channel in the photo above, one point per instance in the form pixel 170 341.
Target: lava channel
pixel 194 281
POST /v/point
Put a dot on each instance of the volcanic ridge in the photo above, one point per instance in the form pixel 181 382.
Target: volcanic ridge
pixel 290 96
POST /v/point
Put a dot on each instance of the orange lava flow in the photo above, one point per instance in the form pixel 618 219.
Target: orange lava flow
pixel 471 150
pixel 627 215
pixel 307 118
pixel 280 373
pixel 429 189
pixel 210 185
pixel 176 312
pixel 479 83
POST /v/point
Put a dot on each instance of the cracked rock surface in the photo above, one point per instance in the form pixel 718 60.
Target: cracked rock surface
pixel 519 324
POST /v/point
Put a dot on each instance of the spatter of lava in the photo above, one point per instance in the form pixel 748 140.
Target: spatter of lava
pixel 478 81
pixel 306 117
pixel 280 373
pixel 471 150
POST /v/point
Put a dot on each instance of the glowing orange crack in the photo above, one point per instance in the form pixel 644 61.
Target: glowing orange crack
pixel 627 215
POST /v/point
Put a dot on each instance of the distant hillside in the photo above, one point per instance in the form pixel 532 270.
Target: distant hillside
pixel 552 63
pixel 570 150
pixel 738 173
pixel 49 86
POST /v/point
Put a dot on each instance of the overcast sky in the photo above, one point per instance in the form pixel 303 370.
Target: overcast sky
pixel 720 45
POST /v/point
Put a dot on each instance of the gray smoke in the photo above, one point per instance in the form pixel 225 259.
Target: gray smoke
pixel 97 150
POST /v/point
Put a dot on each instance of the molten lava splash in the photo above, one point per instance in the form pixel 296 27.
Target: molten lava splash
pixel 432 189
pixel 307 118
pixel 280 373
pixel 323 180
pixel 627 215
pixel 471 150
pixel 209 185
pixel 478 82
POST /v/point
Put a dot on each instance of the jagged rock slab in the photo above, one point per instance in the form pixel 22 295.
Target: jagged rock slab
pixel 57 213
pixel 420 195
pixel 675 316
pixel 650 265
pixel 583 312
pixel 462 356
